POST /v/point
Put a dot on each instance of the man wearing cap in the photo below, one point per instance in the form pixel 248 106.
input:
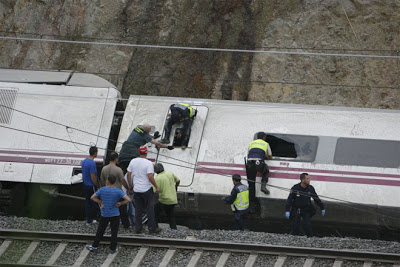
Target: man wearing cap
pixel 239 201
pixel 140 178
pixel 139 137
pixel 180 112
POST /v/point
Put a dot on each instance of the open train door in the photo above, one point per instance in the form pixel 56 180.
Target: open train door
pixel 182 162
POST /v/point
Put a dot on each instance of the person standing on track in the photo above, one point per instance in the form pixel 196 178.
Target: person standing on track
pixel 90 183
pixel 114 170
pixel 140 178
pixel 139 137
pixel 109 199
pixel 239 201
pixel 299 206
pixel 167 199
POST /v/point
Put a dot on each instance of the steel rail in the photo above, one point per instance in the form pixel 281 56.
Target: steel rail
pixel 209 245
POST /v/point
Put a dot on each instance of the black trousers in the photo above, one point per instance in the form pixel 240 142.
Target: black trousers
pixel 251 172
pixel 123 211
pixel 185 136
pixel 145 201
pixel 239 219
pixel 92 209
pixel 124 165
pixel 298 217
pixel 114 224
pixel 169 210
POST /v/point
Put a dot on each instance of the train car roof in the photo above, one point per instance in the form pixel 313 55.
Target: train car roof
pixel 243 104
pixel 62 77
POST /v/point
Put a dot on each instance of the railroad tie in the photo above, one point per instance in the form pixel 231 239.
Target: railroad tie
pixel 195 258
pixel 280 261
pixel 338 263
pixel 251 260
pixel 222 260
pixel 139 257
pixel 28 253
pixel 59 250
pixel 167 257
pixel 367 264
pixel 109 259
pixel 81 257
pixel 309 262
pixel 4 246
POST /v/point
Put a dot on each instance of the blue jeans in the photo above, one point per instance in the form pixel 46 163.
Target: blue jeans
pixel 91 208
pixel 131 210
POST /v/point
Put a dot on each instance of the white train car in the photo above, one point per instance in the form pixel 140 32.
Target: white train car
pixel 351 155
pixel 48 120
pixel 41 117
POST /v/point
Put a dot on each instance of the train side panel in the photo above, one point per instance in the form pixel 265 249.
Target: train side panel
pixel 51 154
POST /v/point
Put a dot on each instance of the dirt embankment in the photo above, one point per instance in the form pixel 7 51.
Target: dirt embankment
pixel 365 27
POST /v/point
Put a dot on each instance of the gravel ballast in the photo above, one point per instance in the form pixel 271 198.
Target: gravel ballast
pixel 21 223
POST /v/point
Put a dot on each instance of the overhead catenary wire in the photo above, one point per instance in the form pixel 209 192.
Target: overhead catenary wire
pixel 210 170
pixel 127 38
pixel 183 77
pixel 205 49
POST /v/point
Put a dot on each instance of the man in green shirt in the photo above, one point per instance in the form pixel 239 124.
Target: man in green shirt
pixel 167 199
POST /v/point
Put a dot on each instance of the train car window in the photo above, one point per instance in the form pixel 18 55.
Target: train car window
pixel 293 147
pixel 367 152
pixel 8 97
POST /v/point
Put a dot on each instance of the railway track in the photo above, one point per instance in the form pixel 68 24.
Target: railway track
pixel 25 248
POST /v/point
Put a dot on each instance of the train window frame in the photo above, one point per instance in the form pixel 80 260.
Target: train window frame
pixel 8 98
pixel 312 139
pixel 347 152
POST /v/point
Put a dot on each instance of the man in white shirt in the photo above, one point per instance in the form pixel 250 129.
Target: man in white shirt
pixel 140 177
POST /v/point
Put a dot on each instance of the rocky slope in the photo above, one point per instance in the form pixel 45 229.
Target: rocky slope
pixel 368 27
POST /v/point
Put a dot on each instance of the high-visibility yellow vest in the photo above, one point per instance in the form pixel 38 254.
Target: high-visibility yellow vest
pixel 242 199
pixel 259 143
pixel 184 106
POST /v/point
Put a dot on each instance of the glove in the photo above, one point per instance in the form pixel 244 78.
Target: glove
pixel 287 215
pixel 156 134
pixel 170 147
pixel 323 212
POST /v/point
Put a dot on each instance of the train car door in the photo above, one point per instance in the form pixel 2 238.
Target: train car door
pixel 182 162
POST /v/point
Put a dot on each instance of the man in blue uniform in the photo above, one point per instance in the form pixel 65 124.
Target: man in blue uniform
pixel 239 201
pixel 139 137
pixel 90 183
pixel 259 150
pixel 180 112
pixel 299 206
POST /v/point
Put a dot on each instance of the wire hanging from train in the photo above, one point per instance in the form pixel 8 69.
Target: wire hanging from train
pixel 347 203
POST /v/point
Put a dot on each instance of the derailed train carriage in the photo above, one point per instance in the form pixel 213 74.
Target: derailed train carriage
pixel 351 154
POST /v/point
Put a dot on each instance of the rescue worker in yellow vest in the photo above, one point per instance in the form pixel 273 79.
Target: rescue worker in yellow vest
pixel 239 201
pixel 180 112
pixel 259 150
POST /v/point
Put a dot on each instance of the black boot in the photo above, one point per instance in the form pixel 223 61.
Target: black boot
pixel 264 188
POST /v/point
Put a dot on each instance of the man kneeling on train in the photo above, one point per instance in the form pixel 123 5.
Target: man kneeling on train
pixel 259 150
pixel 239 201
pixel 298 205
pixel 180 112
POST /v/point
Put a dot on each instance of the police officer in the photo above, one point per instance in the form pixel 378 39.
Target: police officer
pixel 259 149
pixel 139 137
pixel 180 112
pixel 239 201
pixel 298 205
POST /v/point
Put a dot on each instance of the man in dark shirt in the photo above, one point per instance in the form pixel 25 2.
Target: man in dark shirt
pixel 298 205
pixel 180 112
pixel 239 201
pixel 139 137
